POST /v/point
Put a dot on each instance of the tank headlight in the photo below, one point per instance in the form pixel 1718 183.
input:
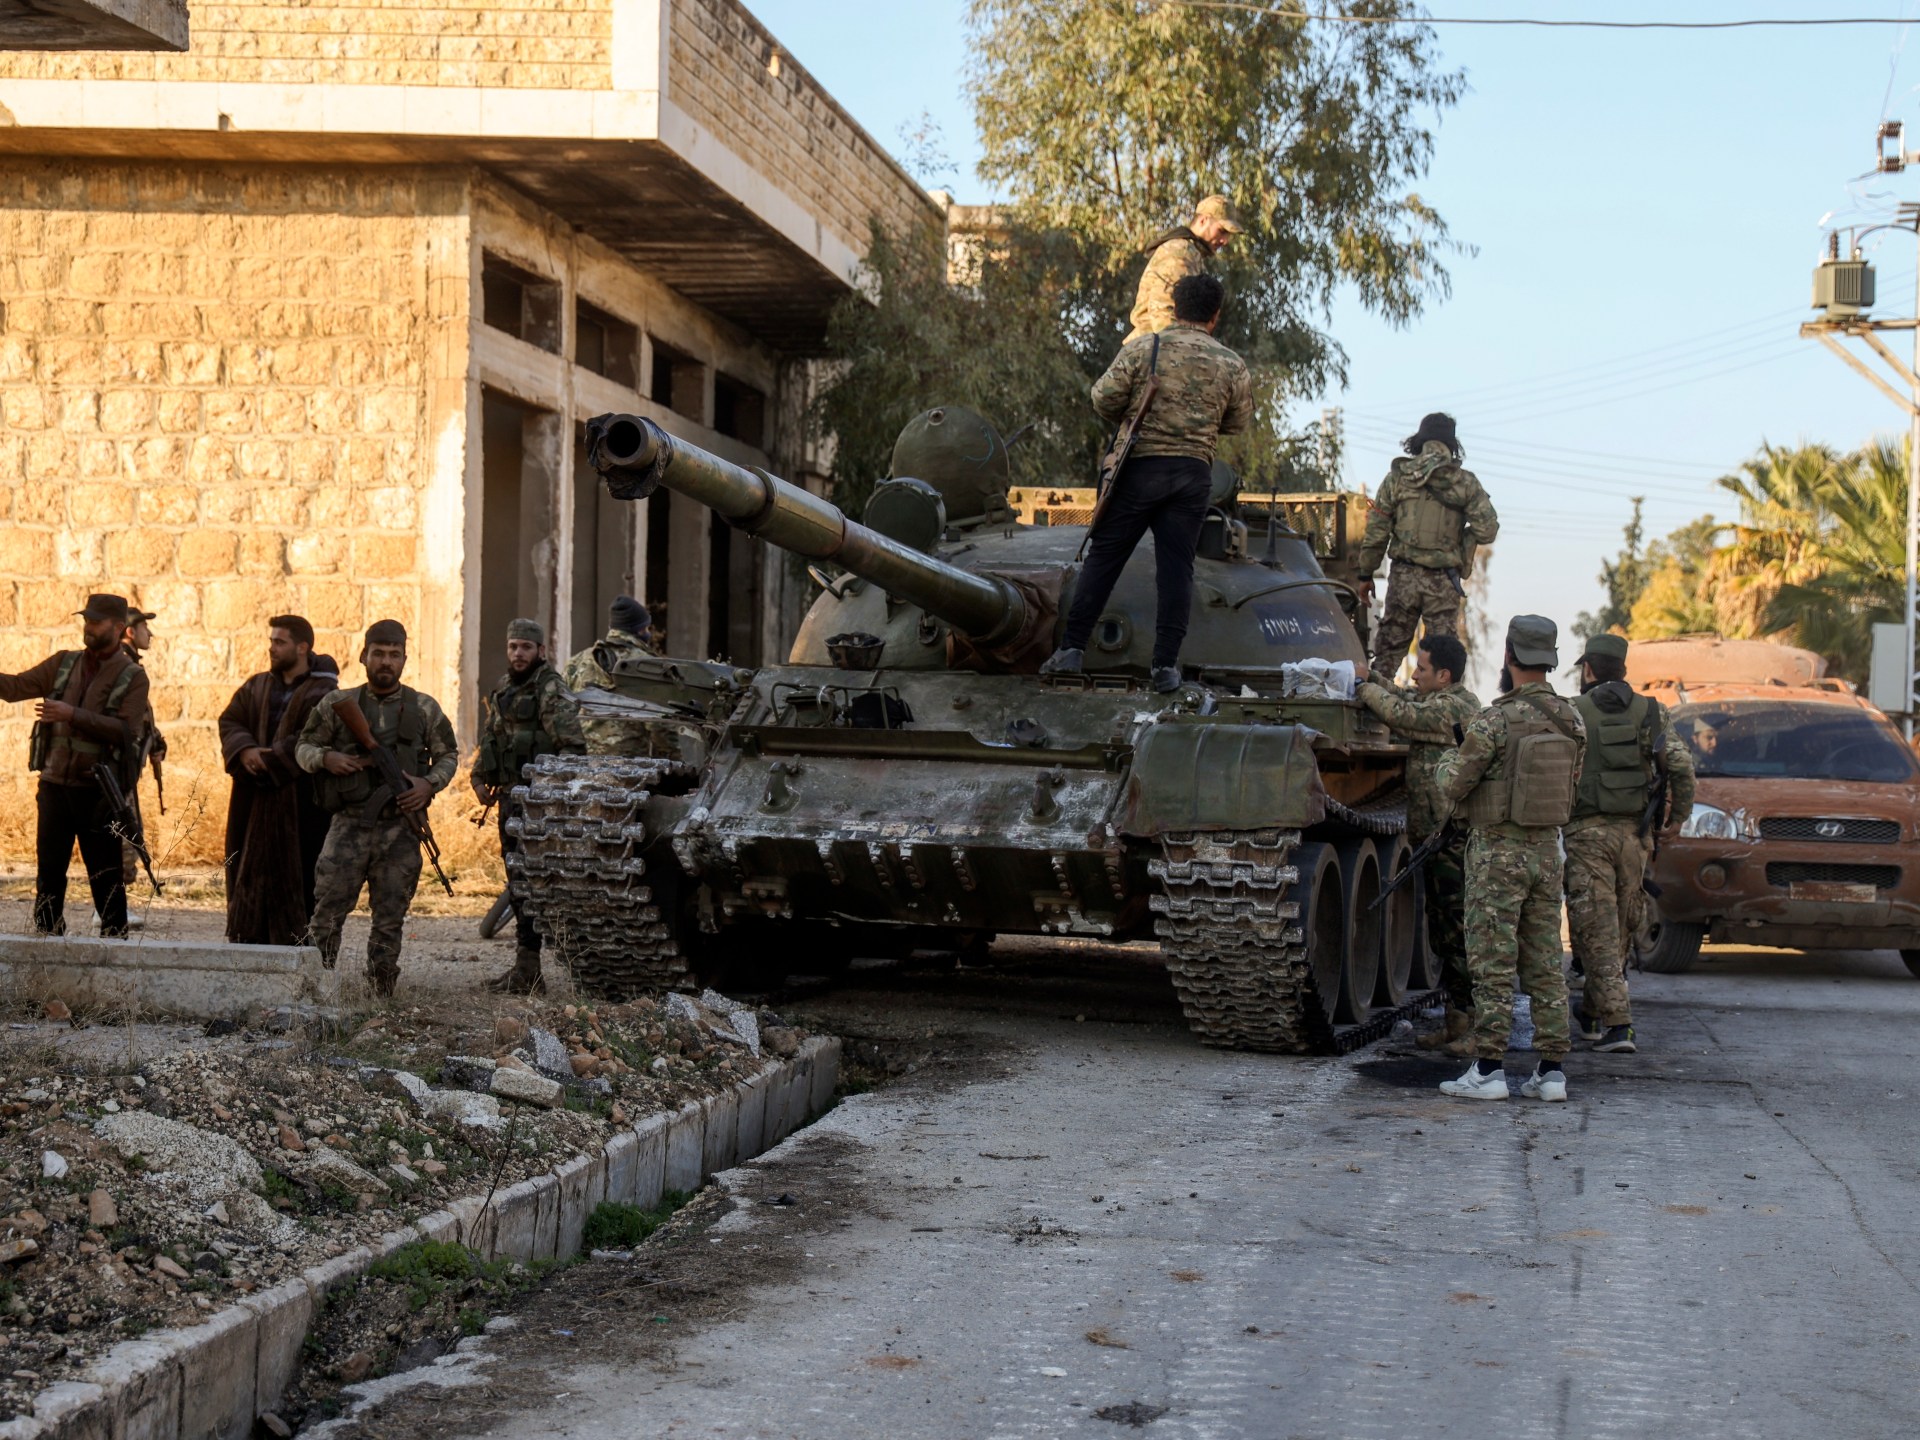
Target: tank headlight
pixel 1708 822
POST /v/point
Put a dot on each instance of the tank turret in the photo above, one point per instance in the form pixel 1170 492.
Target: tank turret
pixel 998 616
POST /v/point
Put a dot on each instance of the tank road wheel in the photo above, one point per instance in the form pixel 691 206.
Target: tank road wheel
pixel 1322 894
pixel 1360 968
pixel 1228 918
pixel 583 870
pixel 1401 940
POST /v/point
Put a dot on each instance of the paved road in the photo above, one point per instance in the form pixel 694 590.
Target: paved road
pixel 1718 1237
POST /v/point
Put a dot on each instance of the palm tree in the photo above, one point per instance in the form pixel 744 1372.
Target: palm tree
pixel 1855 573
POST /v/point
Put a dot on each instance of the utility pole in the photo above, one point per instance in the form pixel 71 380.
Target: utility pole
pixel 1843 290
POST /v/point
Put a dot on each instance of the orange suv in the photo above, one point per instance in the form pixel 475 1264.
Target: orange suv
pixel 1805 832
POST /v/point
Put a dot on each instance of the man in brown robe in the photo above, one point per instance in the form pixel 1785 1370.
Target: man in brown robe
pixel 274 828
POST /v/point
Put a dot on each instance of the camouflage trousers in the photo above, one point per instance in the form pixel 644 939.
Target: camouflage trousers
pixel 1605 863
pixel 384 858
pixel 1513 937
pixel 1443 878
pixel 1414 594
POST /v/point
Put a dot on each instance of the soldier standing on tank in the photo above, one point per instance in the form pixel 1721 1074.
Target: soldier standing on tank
pixel 629 636
pixel 530 713
pixel 1205 392
pixel 1513 778
pixel 93 707
pixel 1428 718
pixel 1429 517
pixel 1632 755
pixel 1180 252
pixel 377 852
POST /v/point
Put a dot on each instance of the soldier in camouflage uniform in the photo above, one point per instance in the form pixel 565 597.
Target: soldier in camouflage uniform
pixel 530 713
pixel 1205 392
pixel 629 635
pixel 1630 748
pixel 1182 251
pixel 378 851
pixel 1429 517
pixel 1513 777
pixel 1427 718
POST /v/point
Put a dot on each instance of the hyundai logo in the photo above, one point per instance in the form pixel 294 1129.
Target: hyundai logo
pixel 1830 829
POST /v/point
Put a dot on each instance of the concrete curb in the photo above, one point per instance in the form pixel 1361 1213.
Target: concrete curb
pixel 209 1382
pixel 189 979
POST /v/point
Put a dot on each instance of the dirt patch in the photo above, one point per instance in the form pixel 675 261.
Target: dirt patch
pixel 152 1174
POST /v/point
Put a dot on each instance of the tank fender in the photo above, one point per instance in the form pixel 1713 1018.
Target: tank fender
pixel 1187 777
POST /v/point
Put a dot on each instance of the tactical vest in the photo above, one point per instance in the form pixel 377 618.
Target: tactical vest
pixel 515 732
pixel 42 742
pixel 1422 522
pixel 1535 786
pixel 407 740
pixel 1615 778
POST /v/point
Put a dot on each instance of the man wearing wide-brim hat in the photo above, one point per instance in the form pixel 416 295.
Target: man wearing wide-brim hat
pixel 92 711
pixel 1634 768
pixel 1174 255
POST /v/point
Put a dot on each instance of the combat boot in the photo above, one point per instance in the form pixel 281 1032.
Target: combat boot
pixel 1459 1025
pixel 524 978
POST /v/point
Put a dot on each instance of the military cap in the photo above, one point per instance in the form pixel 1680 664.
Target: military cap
pixel 1534 640
pixel 135 616
pixel 106 607
pixel 386 632
pixel 1215 207
pixel 525 629
pixel 1605 647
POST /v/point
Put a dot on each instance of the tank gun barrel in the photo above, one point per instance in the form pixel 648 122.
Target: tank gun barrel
pixel 635 455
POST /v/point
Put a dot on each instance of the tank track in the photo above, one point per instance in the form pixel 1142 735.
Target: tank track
pixel 580 870
pixel 1230 932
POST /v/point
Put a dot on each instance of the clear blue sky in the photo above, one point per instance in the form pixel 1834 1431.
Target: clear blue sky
pixel 1645 207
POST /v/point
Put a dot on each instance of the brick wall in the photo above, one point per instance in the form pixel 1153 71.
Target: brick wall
pixel 217 396
pixel 537 44
pixel 723 73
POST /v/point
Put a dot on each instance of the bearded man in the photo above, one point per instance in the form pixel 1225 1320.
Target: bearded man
pixel 275 828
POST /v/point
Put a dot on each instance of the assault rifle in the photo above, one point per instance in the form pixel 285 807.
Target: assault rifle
pixel 394 782
pixel 1422 852
pixel 126 820
pixel 1123 439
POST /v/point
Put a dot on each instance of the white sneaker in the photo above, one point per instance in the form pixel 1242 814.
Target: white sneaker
pixel 1551 1085
pixel 1475 1086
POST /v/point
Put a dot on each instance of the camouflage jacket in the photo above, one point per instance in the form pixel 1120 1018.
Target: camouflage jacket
pixel 1177 256
pixel 524 718
pixel 1429 511
pixel 610 734
pixel 1205 392
pixel 1481 754
pixel 1426 721
pixel 432 756
pixel 590 666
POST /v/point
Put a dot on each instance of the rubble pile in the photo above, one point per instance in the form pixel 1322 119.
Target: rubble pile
pixel 146 1184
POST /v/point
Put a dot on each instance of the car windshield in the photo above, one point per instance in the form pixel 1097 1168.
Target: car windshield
pixel 1800 740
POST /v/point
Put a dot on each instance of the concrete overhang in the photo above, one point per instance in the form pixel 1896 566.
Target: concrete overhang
pixel 93 24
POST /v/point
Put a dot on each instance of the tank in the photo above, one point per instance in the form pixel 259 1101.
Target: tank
pixel 908 779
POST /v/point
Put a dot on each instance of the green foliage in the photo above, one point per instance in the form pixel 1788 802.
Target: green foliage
pixel 1110 119
pixel 1625 578
pixel 1106 121
pixel 918 342
pixel 1816 557
pixel 614 1226
pixel 433 1270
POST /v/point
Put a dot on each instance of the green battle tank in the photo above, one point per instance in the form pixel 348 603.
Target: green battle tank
pixel 909 780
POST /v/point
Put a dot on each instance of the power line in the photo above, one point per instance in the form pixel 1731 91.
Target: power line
pixel 1775 23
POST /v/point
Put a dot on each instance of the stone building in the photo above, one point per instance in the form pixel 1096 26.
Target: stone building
pixel 309 318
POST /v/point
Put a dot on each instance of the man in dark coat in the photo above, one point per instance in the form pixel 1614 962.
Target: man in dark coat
pixel 93 706
pixel 274 828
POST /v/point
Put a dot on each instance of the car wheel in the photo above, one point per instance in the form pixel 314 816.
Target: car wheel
pixel 1912 957
pixel 1671 946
